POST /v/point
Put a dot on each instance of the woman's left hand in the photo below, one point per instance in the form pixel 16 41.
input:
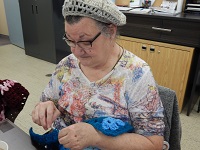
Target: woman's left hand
pixel 78 136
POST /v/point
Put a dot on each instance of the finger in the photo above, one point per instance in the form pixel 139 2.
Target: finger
pixel 42 116
pixel 73 145
pixel 64 141
pixel 35 116
pixel 56 114
pixel 50 112
pixel 68 142
pixel 64 132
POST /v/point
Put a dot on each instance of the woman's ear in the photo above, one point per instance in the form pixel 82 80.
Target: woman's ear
pixel 112 31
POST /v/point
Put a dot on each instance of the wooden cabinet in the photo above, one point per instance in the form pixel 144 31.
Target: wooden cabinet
pixel 181 32
pixel 182 29
pixel 175 61
pixel 170 63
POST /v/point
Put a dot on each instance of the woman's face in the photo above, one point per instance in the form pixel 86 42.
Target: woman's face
pixel 87 30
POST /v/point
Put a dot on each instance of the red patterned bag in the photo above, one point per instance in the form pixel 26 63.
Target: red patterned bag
pixel 13 97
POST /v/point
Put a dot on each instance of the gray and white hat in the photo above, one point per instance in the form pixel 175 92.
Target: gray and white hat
pixel 101 10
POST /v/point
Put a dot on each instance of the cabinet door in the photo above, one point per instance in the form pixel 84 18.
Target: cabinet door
pixel 38 30
pixel 62 49
pixel 45 30
pixel 139 49
pixel 170 68
pixel 29 26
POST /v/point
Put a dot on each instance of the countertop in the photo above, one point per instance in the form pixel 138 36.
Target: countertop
pixel 182 16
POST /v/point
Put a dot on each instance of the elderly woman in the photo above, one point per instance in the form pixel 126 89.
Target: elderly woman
pixel 100 79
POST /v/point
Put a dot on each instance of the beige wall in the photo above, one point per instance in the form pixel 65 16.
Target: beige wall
pixel 3 22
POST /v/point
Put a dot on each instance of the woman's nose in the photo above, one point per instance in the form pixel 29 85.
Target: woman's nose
pixel 77 49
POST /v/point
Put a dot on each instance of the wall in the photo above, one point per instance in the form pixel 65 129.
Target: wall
pixel 3 22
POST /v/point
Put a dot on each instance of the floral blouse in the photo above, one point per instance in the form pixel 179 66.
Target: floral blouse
pixel 128 93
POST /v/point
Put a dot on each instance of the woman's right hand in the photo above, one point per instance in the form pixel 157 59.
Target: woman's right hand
pixel 44 114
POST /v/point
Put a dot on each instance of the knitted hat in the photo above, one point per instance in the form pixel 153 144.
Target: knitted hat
pixel 101 10
pixel 13 97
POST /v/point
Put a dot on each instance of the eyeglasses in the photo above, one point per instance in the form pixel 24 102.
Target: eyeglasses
pixel 82 44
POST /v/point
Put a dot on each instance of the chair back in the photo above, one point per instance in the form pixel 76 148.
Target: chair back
pixel 172 133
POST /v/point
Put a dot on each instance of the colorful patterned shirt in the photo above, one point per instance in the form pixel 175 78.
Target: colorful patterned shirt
pixel 128 92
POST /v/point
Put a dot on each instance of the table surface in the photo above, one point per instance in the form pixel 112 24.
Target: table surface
pixel 16 138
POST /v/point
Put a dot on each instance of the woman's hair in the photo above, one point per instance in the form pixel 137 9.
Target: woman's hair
pixel 73 19
pixel 104 27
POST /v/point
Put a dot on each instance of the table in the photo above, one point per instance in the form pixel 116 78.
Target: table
pixel 16 138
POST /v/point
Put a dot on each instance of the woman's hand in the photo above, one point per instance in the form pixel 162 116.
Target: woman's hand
pixel 78 136
pixel 44 114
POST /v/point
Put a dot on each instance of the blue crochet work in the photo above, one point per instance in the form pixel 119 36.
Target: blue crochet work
pixel 107 125
pixel 47 140
pixel 110 126
pixel 112 123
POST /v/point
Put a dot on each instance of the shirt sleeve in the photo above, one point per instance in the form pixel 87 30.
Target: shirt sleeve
pixel 144 104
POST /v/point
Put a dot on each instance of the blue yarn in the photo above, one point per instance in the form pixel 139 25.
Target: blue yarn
pixel 112 123
pixel 107 125
pixel 110 126
pixel 47 140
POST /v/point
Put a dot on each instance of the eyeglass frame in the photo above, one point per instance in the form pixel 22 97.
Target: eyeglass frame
pixel 76 43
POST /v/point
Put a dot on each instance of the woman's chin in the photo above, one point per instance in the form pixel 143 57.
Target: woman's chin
pixel 85 62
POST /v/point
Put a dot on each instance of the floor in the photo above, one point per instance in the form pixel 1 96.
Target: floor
pixel 31 73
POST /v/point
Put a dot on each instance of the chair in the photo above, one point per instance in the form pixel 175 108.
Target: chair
pixel 198 88
pixel 173 131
